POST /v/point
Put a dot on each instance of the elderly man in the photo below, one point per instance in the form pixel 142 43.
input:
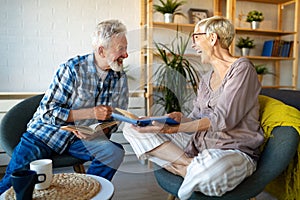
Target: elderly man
pixel 83 91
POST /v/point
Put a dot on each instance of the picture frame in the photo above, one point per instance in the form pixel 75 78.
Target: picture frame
pixel 195 15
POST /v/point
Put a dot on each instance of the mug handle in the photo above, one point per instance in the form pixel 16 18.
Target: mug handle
pixel 43 180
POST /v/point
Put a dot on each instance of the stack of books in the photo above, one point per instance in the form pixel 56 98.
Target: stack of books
pixel 278 48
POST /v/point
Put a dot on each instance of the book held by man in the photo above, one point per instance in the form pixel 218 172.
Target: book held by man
pixel 92 129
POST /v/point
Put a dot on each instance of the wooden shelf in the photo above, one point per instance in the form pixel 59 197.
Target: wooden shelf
pixel 174 26
pixel 268 1
pixel 263 32
pixel 278 86
pixel 267 58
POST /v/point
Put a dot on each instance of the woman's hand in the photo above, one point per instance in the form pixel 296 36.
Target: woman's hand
pixel 157 128
pixel 160 127
pixel 177 116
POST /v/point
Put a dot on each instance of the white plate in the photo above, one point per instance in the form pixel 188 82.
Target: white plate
pixel 106 192
pixel 107 188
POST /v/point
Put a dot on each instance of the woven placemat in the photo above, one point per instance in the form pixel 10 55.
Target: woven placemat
pixel 65 186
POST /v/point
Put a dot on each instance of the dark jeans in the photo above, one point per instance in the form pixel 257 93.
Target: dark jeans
pixel 106 156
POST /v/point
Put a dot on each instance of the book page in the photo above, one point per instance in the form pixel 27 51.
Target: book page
pixel 83 129
pixel 127 113
pixel 89 129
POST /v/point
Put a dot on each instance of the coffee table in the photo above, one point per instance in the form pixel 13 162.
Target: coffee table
pixel 106 192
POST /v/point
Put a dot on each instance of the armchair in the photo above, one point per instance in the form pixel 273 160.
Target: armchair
pixel 13 125
pixel 276 156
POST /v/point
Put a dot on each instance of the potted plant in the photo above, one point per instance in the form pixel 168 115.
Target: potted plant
pixel 262 70
pixel 176 77
pixel 169 9
pixel 255 17
pixel 245 44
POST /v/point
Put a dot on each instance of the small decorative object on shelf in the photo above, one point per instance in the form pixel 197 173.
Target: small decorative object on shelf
pixel 245 44
pixel 169 9
pixel 255 17
pixel 196 15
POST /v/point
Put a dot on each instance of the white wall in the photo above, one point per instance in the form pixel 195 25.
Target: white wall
pixel 37 35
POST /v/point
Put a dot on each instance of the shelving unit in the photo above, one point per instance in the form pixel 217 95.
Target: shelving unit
pixel 225 8
pixel 147 54
pixel 278 33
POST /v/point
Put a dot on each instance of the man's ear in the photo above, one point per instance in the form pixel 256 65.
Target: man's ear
pixel 101 51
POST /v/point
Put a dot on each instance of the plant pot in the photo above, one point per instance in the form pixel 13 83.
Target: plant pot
pixel 260 77
pixel 254 25
pixel 168 17
pixel 245 51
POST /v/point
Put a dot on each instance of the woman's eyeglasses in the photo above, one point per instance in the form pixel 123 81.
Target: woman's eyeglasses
pixel 195 36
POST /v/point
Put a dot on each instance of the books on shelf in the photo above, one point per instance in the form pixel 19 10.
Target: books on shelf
pixel 278 48
pixel 267 48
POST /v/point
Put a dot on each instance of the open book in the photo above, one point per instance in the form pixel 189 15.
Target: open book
pixel 89 129
pixel 133 119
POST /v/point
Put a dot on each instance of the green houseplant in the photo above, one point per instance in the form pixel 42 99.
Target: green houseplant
pixel 254 17
pixel 262 70
pixel 169 9
pixel 176 77
pixel 245 44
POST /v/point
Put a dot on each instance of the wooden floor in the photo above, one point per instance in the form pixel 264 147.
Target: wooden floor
pixel 135 181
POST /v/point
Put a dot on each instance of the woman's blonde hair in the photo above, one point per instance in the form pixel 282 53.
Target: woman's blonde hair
pixel 221 26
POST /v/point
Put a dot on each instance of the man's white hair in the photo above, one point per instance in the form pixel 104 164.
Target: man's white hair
pixel 105 31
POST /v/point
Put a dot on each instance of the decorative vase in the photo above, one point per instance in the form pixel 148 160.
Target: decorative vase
pixel 245 51
pixel 168 17
pixel 254 25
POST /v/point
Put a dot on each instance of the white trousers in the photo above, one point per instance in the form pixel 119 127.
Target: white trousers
pixel 142 143
pixel 212 172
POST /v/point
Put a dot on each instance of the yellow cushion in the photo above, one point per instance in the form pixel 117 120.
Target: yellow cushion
pixel 275 113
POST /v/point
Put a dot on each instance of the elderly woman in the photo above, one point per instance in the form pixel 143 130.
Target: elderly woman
pixel 217 146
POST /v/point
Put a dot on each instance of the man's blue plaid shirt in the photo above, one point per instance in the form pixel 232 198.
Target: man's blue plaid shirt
pixel 75 85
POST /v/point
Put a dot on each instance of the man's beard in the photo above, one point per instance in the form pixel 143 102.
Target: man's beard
pixel 115 66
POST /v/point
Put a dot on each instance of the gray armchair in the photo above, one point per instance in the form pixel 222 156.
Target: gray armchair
pixel 13 125
pixel 276 156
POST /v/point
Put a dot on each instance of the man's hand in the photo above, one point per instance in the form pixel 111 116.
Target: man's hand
pixel 102 112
